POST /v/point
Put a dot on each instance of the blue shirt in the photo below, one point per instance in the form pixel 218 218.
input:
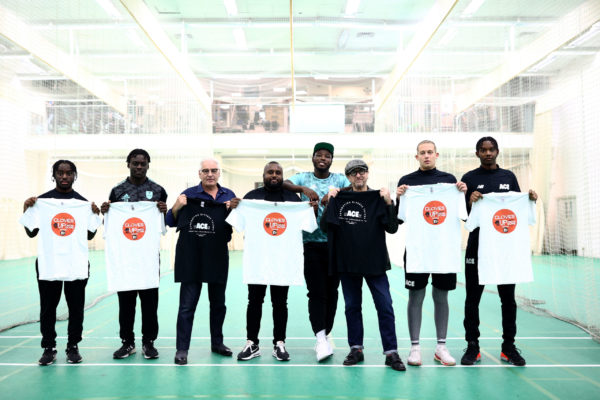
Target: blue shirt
pixel 197 192
pixel 321 186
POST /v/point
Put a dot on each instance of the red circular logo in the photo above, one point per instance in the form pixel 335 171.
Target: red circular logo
pixel 134 229
pixel 63 224
pixel 275 224
pixel 434 212
pixel 505 221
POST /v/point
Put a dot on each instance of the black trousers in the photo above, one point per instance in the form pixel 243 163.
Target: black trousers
pixel 189 294
pixel 322 288
pixel 149 303
pixel 474 292
pixel 50 292
pixel 256 297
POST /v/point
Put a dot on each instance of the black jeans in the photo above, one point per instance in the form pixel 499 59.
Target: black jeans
pixel 189 294
pixel 50 292
pixel 149 304
pixel 256 296
pixel 322 288
pixel 474 292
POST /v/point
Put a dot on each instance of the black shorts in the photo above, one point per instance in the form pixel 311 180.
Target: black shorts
pixel 416 281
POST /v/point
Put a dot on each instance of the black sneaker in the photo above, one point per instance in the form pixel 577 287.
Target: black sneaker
pixel 472 354
pixel 181 357
pixel 125 350
pixel 393 360
pixel 249 351
pixel 355 356
pixel 73 355
pixel 512 355
pixel 279 352
pixel 149 350
pixel 48 356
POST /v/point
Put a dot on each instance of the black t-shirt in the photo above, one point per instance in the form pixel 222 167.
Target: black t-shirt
pixel 357 222
pixel 201 254
pixel 277 195
pixel 486 181
pixel 147 191
pixel 55 194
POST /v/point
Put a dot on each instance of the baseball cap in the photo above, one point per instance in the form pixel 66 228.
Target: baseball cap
pixel 323 146
pixel 355 164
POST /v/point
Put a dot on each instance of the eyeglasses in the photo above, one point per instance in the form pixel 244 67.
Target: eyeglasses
pixel 213 171
pixel 359 172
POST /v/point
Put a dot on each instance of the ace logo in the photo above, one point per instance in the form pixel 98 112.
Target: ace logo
pixel 134 228
pixel 202 225
pixel 504 186
pixel 354 214
pixel 275 224
pixel 435 212
pixel 504 221
pixel 63 224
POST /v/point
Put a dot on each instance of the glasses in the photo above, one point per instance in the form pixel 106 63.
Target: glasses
pixel 213 171
pixel 358 172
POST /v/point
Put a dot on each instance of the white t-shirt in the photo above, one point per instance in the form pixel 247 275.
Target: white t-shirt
pixel 132 233
pixel 433 238
pixel 273 250
pixel 63 242
pixel 504 254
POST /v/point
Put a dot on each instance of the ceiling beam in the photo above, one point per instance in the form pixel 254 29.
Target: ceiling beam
pixel 436 16
pixel 153 30
pixel 18 32
pixel 566 29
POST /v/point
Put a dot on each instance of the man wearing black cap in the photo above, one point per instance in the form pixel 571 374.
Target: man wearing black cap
pixel 322 288
pixel 356 221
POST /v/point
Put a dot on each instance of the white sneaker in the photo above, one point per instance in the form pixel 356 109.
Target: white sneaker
pixel 414 358
pixel 443 356
pixel 323 350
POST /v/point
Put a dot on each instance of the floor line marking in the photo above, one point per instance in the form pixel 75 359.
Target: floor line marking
pixel 287 365
pixel 313 338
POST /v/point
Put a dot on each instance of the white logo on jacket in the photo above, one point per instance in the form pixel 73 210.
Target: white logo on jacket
pixel 504 186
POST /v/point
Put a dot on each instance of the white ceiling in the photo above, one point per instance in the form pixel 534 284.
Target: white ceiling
pixel 336 56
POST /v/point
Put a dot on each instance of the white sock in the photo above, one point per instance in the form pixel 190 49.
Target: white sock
pixel 321 337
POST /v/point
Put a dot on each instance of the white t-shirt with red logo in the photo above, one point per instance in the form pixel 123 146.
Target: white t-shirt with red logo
pixel 273 249
pixel 63 242
pixel 504 254
pixel 433 214
pixel 132 233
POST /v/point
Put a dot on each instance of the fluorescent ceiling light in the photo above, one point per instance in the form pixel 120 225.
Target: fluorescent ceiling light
pixel 279 89
pixel 593 31
pixel 352 7
pixel 240 38
pixel 544 63
pixel 231 7
pixel 110 9
pixel 300 91
pixel 252 151
pixel 321 77
pixel 472 8
pixel 236 95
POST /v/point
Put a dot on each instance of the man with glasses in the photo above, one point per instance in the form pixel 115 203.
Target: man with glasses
pixel 209 190
pixel 356 220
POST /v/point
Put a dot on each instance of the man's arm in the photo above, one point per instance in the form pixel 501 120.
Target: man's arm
pixel 308 192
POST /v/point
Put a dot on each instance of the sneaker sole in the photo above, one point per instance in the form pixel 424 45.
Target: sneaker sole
pixel 50 363
pixel 508 360
pixel 74 362
pixel 150 357
pixel 473 363
pixel 125 356
pixel 280 359
pixel 250 357
pixel 436 358
pixel 323 358
pixel 414 364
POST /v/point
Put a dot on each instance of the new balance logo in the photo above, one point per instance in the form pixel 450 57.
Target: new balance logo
pixel 354 214
pixel 480 186
pixel 470 260
pixel 505 186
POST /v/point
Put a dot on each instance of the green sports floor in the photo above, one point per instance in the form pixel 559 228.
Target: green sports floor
pixel 563 361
